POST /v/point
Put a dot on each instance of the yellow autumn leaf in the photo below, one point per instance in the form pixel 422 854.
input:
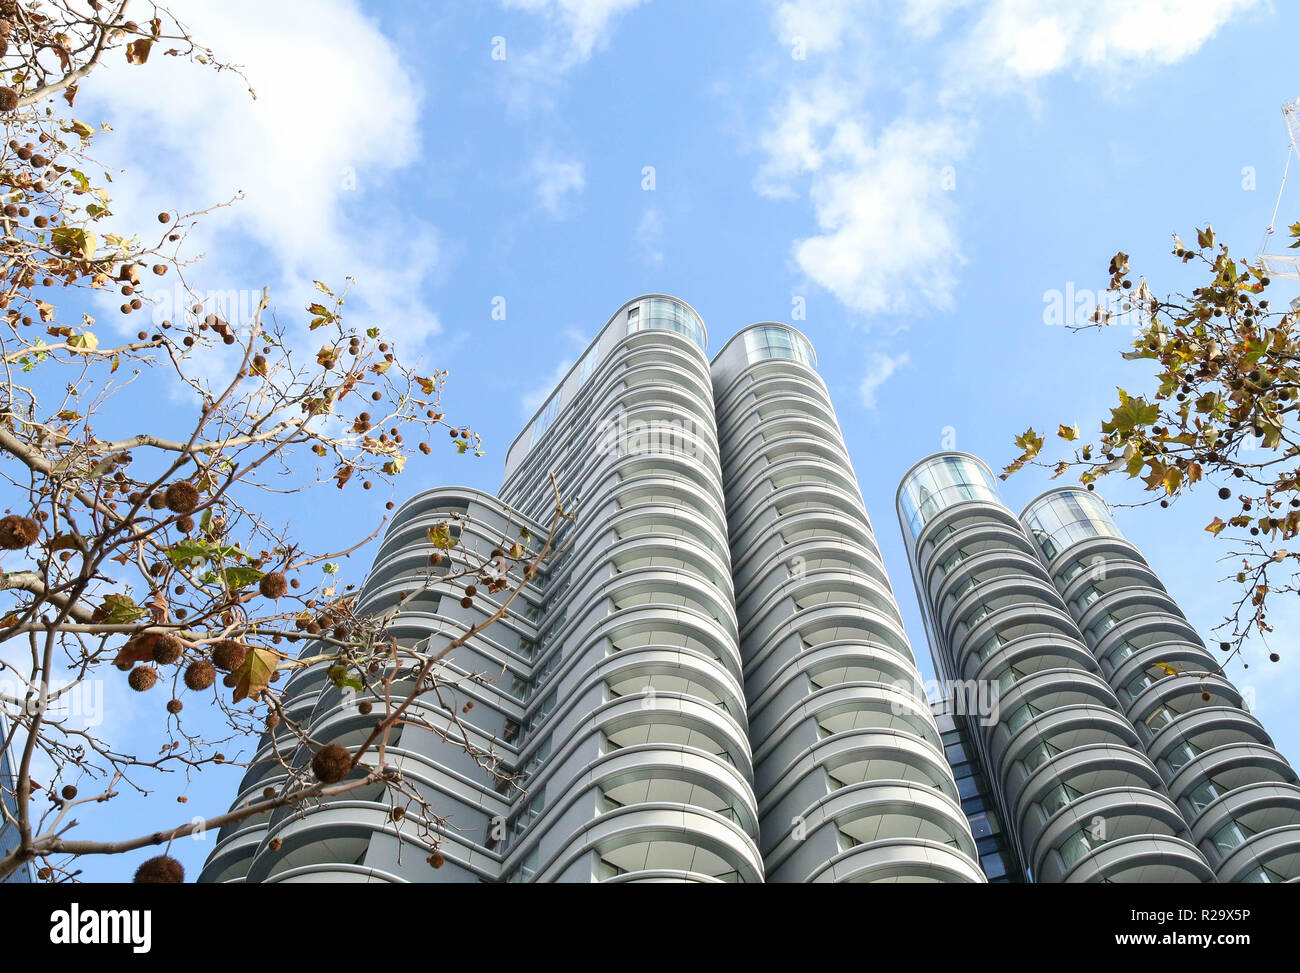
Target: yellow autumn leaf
pixel 254 674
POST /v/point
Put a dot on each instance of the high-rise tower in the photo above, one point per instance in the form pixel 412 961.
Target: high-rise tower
pixel 1237 793
pixel 849 769
pixel 1120 751
pixel 711 684
pixel 1076 790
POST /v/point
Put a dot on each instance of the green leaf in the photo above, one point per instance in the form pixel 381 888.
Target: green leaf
pixel 237 577
pixel 185 551
pixel 119 610
pixel 74 240
pixel 440 536
pixel 341 678
pixel 1130 414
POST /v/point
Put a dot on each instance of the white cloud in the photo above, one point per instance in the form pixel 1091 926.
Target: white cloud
pixel 812 116
pixel 1018 41
pixel 575 30
pixel 888 233
pixel 888 240
pixel 880 368
pixel 820 24
pixel 648 241
pixel 583 24
pixel 316 154
pixel 555 179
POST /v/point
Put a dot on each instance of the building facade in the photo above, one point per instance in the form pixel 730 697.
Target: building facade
pixel 710 684
pixel 9 831
pixel 1236 792
pixel 1114 747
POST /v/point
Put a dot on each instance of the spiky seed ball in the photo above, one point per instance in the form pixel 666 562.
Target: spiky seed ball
pixel 166 649
pixel 228 654
pixel 69 792
pixel 273 585
pixel 200 675
pixel 230 680
pixel 164 217
pixel 157 502
pixel 17 532
pixel 174 706
pixel 436 859
pixel 275 844
pixel 162 870
pixel 8 99
pixel 185 524
pixel 331 763
pixel 142 678
pixel 181 497
pixel 272 721
pixel 364 707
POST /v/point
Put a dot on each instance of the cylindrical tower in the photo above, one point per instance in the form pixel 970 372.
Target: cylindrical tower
pixel 1081 798
pixel 354 838
pixel 849 768
pixel 653 781
pixel 613 693
pixel 1238 794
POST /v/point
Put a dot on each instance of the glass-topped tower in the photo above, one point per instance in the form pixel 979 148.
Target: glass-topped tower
pixel 1116 748
pixel 1075 789
pixel 1237 793
pixel 711 684
pixel 849 770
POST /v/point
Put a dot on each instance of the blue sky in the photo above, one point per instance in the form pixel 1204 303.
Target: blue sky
pixel 923 175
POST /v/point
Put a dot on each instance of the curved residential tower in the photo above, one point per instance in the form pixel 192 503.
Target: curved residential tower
pixel 1075 787
pixel 1237 793
pixel 849 767
pixel 621 693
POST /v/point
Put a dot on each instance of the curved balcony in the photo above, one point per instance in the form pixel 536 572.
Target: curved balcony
pixel 881 827
pixel 662 838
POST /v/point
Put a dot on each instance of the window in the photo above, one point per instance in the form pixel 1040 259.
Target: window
pixel 1230 837
pixel 941 482
pixel 1066 517
pixel 1057 798
pixel 1021 716
pixel 1038 756
pixel 665 314
pixel 771 341
pixel 1075 847
pixel 993 865
pixel 545 418
pixel 980 825
pixel 527 868
pixel 1181 756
